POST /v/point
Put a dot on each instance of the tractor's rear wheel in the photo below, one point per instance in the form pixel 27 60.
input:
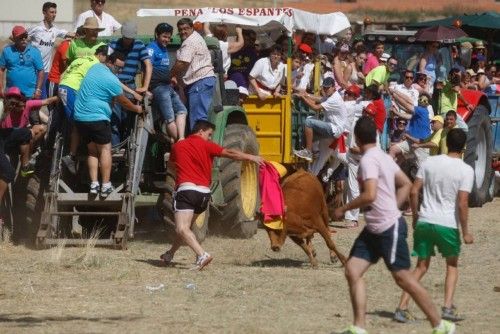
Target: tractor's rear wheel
pixel 478 154
pixel 28 205
pixel 240 184
pixel 165 205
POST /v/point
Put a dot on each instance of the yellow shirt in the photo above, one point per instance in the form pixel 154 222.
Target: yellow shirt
pixel 436 139
pixel 443 148
pixel 380 74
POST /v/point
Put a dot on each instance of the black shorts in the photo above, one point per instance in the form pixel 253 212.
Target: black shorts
pixel 11 138
pixel 98 132
pixel 191 200
pixel 391 245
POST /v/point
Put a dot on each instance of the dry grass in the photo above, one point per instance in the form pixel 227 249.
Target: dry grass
pixel 246 289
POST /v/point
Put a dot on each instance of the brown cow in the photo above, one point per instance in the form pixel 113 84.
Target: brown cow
pixel 306 214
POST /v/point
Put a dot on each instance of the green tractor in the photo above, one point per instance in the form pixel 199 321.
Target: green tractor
pixel 49 206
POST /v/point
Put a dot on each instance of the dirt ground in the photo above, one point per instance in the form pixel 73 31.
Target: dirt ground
pixel 246 289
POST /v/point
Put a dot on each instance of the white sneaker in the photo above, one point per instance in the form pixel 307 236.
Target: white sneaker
pixel 202 261
pixel 304 154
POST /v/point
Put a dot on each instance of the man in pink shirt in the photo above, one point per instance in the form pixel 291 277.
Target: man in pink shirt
pixel 373 58
pixel 384 187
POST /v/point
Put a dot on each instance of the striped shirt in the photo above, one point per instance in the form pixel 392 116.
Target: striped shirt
pixel 134 56
pixel 194 51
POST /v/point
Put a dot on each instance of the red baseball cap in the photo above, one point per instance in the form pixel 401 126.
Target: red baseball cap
pixel 305 48
pixel 14 92
pixel 371 109
pixel 18 31
pixel 354 90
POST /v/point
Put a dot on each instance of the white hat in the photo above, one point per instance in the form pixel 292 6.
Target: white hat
pixel 385 56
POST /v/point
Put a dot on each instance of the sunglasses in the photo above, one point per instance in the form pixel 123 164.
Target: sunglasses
pixel 401 123
pixel 409 77
pixel 393 64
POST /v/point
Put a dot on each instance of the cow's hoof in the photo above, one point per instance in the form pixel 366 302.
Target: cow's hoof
pixel 275 248
pixel 334 259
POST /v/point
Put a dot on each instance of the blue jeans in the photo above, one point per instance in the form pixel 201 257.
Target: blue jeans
pixel 167 102
pixel 120 119
pixel 200 96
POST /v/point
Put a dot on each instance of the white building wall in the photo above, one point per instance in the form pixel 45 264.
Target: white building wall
pixel 29 12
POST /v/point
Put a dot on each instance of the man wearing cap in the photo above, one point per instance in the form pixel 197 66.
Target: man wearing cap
pixel 373 58
pixel 24 65
pixel 43 37
pixel 19 113
pixel 334 121
pixel 86 46
pixel 307 67
pixel 194 66
pixel 418 127
pixel 432 142
pixel 137 58
pixel 380 74
pixel 107 22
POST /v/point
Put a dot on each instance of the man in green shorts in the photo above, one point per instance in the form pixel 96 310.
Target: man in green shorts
pixel 444 205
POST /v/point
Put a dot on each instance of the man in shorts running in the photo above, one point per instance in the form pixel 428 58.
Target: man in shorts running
pixel 445 203
pixel 384 187
pixel 192 159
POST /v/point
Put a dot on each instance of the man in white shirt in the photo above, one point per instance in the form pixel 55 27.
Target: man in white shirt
pixel 43 37
pixel 407 88
pixel 444 205
pixel 105 20
pixel 334 121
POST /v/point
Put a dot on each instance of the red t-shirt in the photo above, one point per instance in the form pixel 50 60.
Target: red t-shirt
pixel 379 116
pixel 58 62
pixel 193 159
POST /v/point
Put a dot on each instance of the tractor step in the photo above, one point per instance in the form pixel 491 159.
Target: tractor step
pixel 88 199
pixel 84 213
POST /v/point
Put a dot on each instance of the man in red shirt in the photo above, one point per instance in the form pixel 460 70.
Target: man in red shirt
pixel 192 159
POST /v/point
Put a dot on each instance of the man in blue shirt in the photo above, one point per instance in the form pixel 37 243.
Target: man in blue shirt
pixel 166 101
pixel 24 65
pixel 418 127
pixel 93 114
pixel 135 53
